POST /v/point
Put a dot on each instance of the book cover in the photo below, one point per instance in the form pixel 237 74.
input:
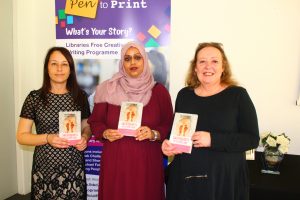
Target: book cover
pixel 70 126
pixel 130 118
pixel 184 126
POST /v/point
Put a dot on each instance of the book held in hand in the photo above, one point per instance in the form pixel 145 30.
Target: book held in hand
pixel 184 126
pixel 130 118
pixel 70 126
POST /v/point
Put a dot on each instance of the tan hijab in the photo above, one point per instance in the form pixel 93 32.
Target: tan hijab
pixel 121 87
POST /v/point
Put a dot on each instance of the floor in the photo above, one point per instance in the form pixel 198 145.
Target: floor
pixel 19 197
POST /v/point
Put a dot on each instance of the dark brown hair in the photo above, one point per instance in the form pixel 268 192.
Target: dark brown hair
pixel 72 85
pixel 226 78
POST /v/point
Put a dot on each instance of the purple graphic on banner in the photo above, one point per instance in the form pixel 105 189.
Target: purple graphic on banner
pixel 147 21
pixel 92 157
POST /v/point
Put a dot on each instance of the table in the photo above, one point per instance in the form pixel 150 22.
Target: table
pixel 285 186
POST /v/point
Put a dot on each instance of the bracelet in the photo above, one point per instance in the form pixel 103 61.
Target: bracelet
pixel 47 138
pixel 155 135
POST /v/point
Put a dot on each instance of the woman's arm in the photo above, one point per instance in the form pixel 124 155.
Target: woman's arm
pixel 26 137
pixel 86 130
pixel 86 134
pixel 166 113
pixel 247 136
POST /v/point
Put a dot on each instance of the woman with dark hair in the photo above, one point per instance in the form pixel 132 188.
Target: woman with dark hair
pixel 227 126
pixel 58 167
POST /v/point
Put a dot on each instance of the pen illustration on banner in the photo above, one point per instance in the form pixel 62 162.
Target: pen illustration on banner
pixel 83 8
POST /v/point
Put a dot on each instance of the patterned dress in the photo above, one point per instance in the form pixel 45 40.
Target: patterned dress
pixel 56 173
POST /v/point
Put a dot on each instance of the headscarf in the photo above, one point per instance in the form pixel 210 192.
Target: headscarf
pixel 121 87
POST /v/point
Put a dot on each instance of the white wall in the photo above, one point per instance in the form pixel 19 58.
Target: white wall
pixel 8 183
pixel 262 42
pixel 34 33
pixel 261 39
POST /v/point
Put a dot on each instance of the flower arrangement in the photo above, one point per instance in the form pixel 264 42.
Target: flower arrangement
pixel 276 142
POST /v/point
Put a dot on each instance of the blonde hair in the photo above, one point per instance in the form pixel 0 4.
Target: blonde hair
pixel 226 78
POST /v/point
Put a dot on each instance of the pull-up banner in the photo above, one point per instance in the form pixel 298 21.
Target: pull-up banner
pixel 94 32
pixel 97 29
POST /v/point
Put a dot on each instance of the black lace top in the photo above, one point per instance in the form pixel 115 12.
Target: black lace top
pixel 56 173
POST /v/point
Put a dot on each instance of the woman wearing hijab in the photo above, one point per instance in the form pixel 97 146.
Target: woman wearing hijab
pixel 132 167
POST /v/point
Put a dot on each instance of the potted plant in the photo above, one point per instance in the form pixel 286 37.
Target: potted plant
pixel 275 146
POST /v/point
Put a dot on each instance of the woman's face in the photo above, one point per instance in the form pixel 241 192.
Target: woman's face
pixel 133 62
pixel 209 65
pixel 58 68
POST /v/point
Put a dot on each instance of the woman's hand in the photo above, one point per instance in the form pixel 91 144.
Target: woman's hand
pixel 57 142
pixel 168 149
pixel 82 144
pixel 143 133
pixel 112 135
pixel 201 139
pixel 85 136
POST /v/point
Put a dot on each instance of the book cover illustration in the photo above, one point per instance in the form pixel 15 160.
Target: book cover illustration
pixel 70 126
pixel 184 126
pixel 130 118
